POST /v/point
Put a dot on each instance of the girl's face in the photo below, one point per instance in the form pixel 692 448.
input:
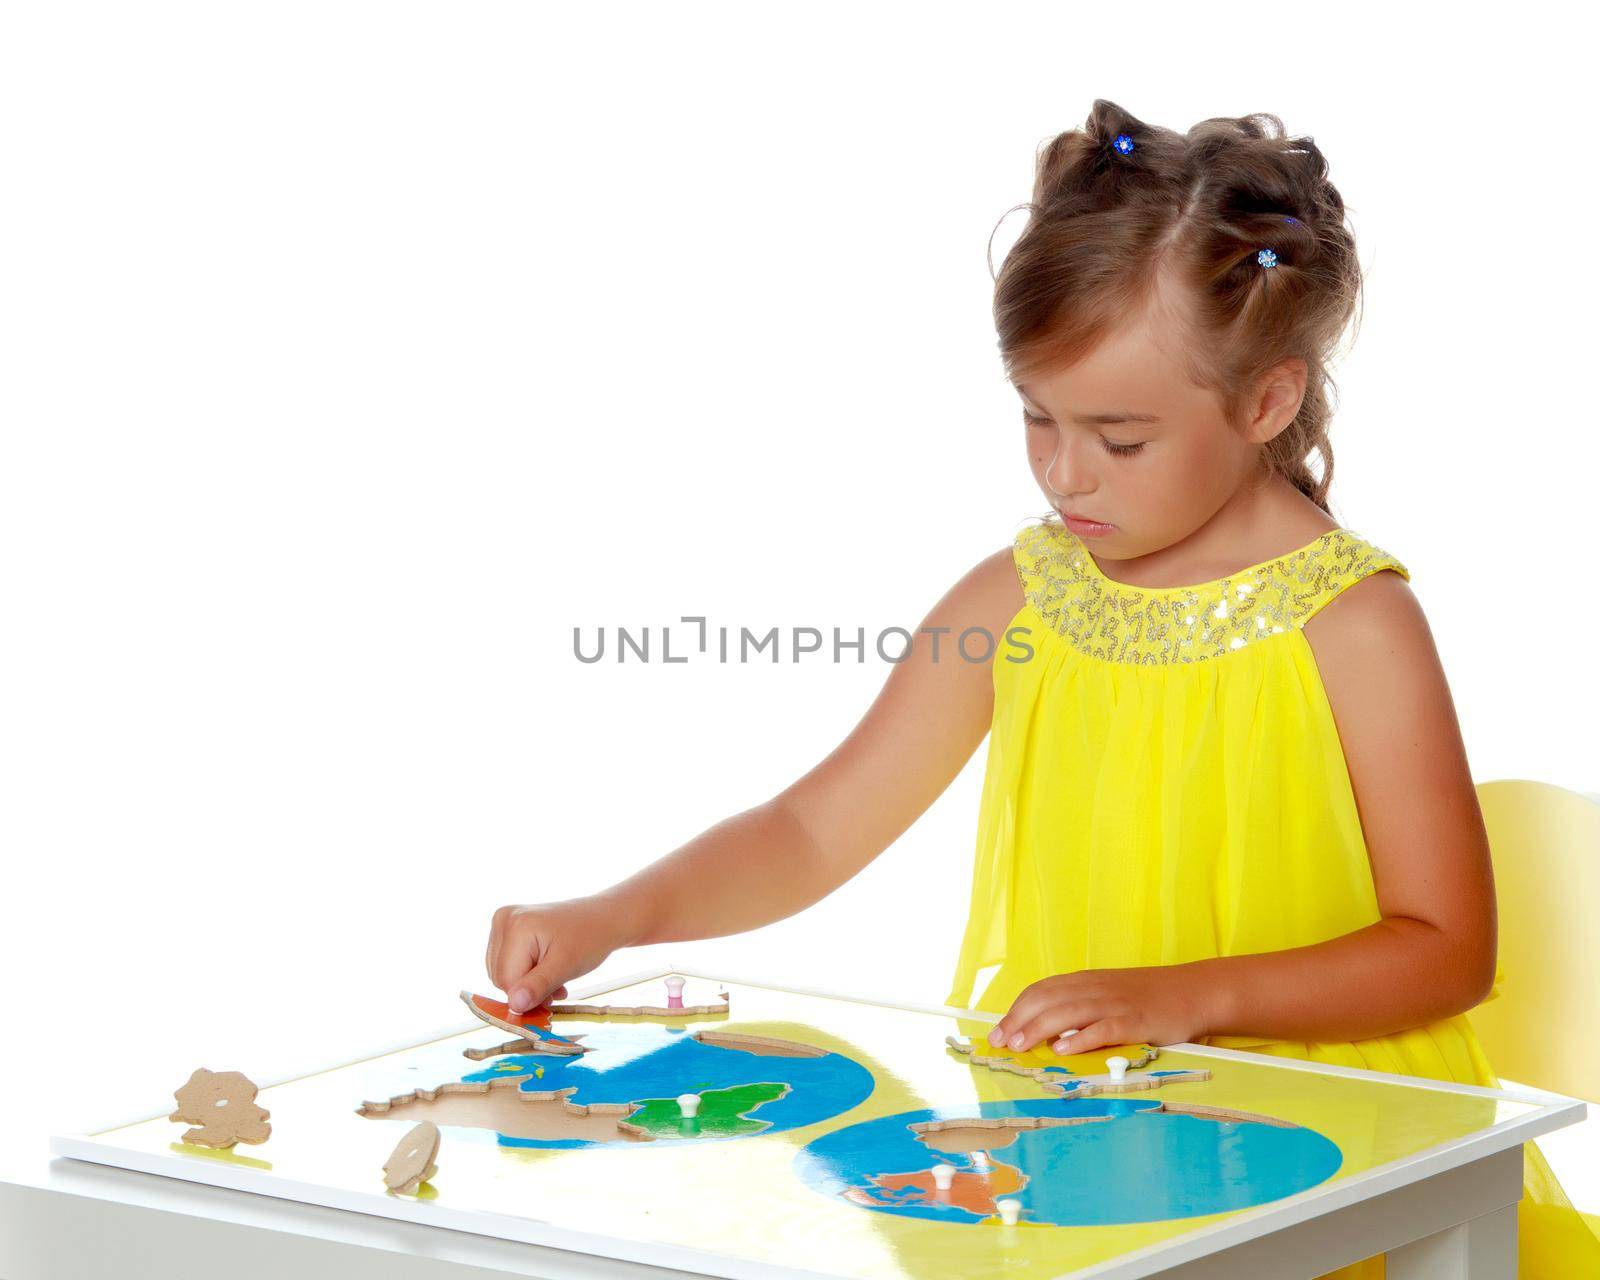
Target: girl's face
pixel 1124 438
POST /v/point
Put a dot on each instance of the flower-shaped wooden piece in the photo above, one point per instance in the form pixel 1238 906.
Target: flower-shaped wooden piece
pixel 222 1107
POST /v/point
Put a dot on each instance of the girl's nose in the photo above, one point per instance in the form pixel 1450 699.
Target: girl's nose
pixel 1067 474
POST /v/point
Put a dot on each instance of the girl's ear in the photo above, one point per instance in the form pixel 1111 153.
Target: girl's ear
pixel 1278 398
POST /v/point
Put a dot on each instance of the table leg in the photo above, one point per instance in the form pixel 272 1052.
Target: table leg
pixel 1479 1249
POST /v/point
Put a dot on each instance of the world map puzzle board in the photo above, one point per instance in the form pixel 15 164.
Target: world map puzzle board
pixel 816 1162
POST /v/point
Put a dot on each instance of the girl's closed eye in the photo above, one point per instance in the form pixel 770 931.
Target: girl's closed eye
pixel 1111 446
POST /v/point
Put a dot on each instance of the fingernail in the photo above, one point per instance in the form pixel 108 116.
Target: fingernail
pixel 1016 1041
pixel 518 1001
pixel 994 1036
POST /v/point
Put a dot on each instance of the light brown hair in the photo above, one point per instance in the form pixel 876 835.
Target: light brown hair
pixel 1105 225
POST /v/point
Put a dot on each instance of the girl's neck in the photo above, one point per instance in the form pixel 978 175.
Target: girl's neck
pixel 1250 528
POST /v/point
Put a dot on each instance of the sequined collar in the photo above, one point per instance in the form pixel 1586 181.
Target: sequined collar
pixel 1093 569
pixel 1120 622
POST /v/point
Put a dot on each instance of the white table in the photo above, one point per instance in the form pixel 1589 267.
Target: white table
pixel 1448 1213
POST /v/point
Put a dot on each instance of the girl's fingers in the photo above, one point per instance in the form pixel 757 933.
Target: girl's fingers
pixel 1025 1011
pixel 507 952
pixel 1047 1026
pixel 514 960
pixel 1103 1034
pixel 533 988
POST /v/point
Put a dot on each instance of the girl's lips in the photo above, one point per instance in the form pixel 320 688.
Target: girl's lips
pixel 1090 528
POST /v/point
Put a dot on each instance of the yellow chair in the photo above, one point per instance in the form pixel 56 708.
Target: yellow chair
pixel 1544 1027
pixel 1545 844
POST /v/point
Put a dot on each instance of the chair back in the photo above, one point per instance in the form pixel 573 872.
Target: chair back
pixel 1543 1029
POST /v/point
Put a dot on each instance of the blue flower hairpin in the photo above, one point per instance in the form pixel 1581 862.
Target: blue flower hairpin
pixel 1123 143
pixel 1267 258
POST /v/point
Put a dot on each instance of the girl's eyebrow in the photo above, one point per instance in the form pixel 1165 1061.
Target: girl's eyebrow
pixel 1098 419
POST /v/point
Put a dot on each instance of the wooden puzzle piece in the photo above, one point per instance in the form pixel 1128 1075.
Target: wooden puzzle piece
pixel 674 1007
pixel 1128 1082
pixel 644 1010
pixel 732 1039
pixel 1221 1114
pixel 765 1045
pixel 1068 1079
pixel 710 1113
pixel 412 1162
pixel 1030 1062
pixel 519 1045
pixel 502 1106
pixel 530 1026
pixel 973 1190
pixel 525 1045
pixel 222 1106
pixel 989 1133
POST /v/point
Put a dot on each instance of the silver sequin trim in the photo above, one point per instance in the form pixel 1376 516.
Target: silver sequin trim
pixel 1156 625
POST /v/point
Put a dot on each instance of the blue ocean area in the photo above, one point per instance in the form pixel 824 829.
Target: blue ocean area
pixel 1142 1165
pixel 634 1062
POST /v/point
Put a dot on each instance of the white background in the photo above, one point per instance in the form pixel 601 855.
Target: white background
pixel 355 353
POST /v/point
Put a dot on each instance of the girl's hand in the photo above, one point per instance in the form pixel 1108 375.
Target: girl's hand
pixel 535 949
pixel 1163 1004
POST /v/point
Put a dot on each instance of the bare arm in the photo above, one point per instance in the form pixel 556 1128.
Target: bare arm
pixel 779 857
pixel 1433 953
pixel 773 860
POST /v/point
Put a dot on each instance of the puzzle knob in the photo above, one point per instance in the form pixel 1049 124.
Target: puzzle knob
pixel 1118 1067
pixel 689 1103
pixel 1010 1211
pixel 943 1176
pixel 675 993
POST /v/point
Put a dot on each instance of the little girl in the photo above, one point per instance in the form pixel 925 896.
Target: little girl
pixel 1226 797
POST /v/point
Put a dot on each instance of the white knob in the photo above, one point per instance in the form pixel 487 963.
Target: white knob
pixel 1010 1210
pixel 675 985
pixel 943 1175
pixel 689 1103
pixel 1118 1067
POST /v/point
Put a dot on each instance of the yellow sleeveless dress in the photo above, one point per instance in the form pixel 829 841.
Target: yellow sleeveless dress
pixel 1165 783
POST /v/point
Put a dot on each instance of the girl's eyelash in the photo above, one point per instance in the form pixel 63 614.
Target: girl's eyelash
pixel 1122 450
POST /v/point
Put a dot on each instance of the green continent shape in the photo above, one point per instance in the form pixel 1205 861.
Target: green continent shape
pixel 721 1112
